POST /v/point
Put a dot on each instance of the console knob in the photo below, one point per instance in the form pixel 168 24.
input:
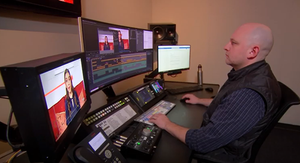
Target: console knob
pixel 146 132
pixel 108 154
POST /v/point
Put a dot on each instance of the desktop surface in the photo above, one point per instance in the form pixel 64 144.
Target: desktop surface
pixel 169 148
pixel 175 87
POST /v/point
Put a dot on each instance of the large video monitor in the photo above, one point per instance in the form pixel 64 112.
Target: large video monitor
pixel 50 98
pixel 114 53
pixel 172 59
pixel 65 8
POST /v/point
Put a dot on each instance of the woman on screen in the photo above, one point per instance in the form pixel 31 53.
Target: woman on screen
pixel 72 105
pixel 121 43
pixel 106 44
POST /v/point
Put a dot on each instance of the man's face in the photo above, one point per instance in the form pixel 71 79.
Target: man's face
pixel 236 49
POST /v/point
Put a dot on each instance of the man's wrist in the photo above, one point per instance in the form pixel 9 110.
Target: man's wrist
pixel 200 101
pixel 167 125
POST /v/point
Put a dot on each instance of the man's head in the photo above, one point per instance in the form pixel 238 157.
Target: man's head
pixel 250 43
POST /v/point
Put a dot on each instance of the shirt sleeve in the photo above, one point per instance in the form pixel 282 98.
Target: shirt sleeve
pixel 235 116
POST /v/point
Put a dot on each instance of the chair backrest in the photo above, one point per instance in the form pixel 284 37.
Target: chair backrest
pixel 288 98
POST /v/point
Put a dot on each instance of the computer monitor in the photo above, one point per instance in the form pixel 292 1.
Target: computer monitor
pixel 50 98
pixel 65 8
pixel 114 53
pixel 172 59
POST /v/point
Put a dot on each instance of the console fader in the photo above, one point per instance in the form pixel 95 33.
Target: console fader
pixel 142 141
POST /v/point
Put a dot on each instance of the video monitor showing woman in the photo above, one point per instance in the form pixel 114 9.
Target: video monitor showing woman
pixel 64 93
pixel 106 41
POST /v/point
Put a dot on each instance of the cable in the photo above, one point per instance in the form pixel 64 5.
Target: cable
pixel 13 156
pixel 15 147
pixel 3 91
pixel 4 97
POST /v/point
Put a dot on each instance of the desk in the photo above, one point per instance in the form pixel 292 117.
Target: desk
pixel 169 149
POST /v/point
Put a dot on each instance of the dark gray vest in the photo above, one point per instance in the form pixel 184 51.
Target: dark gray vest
pixel 259 78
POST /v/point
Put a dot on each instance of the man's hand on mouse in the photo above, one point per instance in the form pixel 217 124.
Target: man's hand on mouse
pixel 192 99
pixel 195 100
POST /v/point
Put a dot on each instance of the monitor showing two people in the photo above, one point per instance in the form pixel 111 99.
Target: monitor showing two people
pixel 172 59
pixel 114 52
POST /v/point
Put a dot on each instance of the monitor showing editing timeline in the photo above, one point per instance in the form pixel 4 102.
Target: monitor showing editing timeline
pixel 114 52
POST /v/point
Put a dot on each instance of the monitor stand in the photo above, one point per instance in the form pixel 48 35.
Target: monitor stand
pixel 152 75
pixel 3 92
pixel 109 92
pixel 174 72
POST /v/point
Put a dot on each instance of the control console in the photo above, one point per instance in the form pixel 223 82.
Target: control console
pixel 162 107
pixel 113 117
pixel 103 112
pixel 121 120
pixel 142 141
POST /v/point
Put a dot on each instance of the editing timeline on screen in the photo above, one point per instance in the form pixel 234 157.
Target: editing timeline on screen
pixel 114 52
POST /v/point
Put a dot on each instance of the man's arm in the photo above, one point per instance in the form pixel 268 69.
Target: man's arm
pixel 177 131
pixel 235 116
pixel 195 100
pixel 205 101
pixel 163 122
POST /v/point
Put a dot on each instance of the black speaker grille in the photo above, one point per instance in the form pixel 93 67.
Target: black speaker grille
pixel 163 31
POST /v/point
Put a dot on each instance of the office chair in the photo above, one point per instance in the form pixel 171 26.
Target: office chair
pixel 288 98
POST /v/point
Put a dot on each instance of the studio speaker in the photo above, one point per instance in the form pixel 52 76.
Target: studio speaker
pixel 164 33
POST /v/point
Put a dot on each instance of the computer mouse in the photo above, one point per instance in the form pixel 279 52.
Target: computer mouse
pixel 209 89
pixel 183 99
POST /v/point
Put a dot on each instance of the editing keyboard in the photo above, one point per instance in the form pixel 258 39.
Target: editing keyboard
pixel 180 90
pixel 162 107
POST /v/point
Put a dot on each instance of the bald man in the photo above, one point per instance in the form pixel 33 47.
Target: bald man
pixel 242 107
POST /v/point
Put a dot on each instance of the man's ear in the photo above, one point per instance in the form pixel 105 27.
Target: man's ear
pixel 253 52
